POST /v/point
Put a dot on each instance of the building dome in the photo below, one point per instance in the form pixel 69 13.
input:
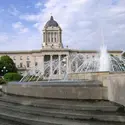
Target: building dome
pixel 51 23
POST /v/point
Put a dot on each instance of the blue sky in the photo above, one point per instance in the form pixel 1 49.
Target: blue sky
pixel 22 21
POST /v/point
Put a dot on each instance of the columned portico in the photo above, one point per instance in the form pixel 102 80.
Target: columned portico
pixel 58 64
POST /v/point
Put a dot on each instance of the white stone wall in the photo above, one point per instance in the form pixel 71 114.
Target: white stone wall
pixel 116 88
pixel 39 58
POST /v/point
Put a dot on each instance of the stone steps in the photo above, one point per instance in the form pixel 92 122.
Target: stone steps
pixel 62 104
pixel 40 111
pixel 9 122
pixel 36 120
pixel 70 115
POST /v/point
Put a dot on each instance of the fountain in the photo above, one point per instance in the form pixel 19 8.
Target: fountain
pixel 101 62
pixel 104 60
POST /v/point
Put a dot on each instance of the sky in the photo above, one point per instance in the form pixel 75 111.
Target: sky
pixel 86 24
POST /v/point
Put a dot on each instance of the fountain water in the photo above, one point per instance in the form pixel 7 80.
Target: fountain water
pixel 79 63
pixel 104 61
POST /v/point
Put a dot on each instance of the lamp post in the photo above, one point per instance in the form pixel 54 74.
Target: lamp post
pixel 4 70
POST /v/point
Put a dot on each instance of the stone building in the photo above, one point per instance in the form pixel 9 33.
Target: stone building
pixel 52 49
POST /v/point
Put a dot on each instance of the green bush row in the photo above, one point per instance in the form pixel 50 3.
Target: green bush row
pixel 12 76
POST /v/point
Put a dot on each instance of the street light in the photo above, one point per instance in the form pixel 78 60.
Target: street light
pixel 4 67
pixel 4 70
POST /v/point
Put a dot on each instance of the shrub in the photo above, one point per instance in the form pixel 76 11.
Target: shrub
pixel 2 81
pixel 12 76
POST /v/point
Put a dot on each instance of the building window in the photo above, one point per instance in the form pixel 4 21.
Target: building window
pixel 36 63
pixel 87 56
pixel 28 58
pixel 48 37
pixel 21 65
pixel 20 57
pixel 28 64
pixel 52 37
pixel 14 58
pixel 55 37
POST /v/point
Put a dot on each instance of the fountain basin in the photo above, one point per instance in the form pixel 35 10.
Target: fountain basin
pixel 59 90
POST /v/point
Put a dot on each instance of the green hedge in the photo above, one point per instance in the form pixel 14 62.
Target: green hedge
pixel 12 76
pixel 2 81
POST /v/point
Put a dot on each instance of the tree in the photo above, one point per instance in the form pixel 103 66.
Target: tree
pixel 7 65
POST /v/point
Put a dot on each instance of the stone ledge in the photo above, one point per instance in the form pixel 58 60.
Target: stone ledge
pixel 59 92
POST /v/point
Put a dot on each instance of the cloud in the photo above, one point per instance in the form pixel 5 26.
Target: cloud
pixel 20 27
pixel 1 10
pixel 15 42
pixel 30 17
pixel 13 11
pixel 3 38
pixel 38 5
pixel 81 22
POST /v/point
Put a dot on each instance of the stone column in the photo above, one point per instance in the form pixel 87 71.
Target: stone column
pixel 59 58
pixel 42 64
pixel 51 68
pixel 60 37
pixel 56 37
pixel 52 36
pixel 59 40
pixel 43 36
pixel 46 35
pixel 67 64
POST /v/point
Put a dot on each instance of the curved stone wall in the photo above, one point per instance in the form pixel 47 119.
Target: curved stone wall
pixel 78 91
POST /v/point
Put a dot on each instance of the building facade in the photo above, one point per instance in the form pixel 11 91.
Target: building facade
pixel 52 59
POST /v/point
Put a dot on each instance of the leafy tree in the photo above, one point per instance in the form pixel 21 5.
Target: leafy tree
pixel 7 65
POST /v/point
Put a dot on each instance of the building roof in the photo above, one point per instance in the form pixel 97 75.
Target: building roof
pixel 57 50
pixel 51 23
